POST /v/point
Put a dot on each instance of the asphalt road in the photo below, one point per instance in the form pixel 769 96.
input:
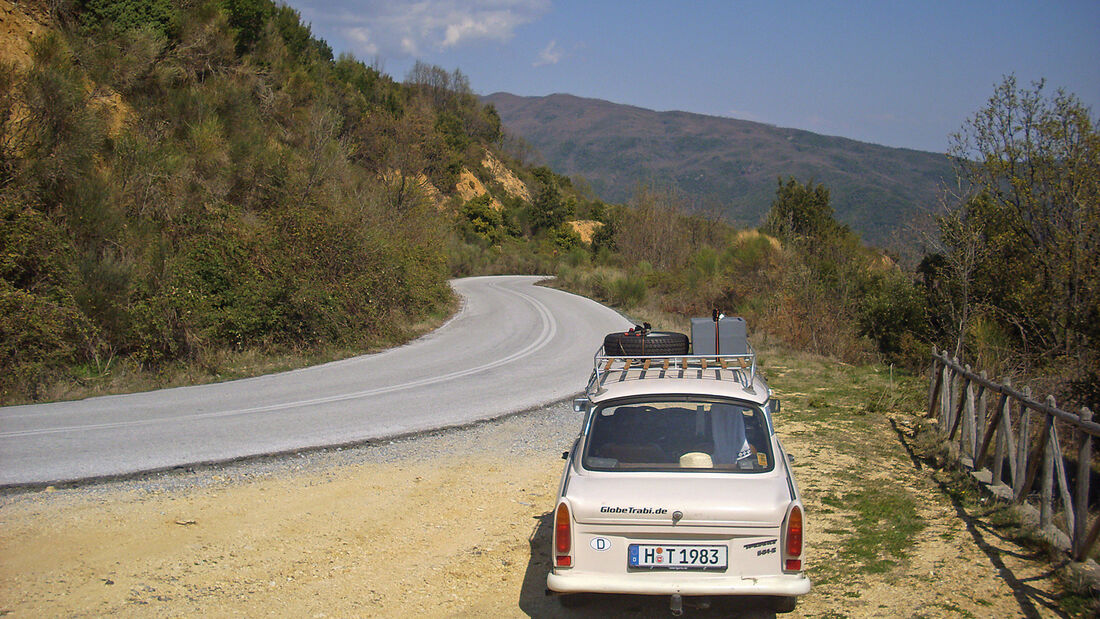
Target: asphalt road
pixel 511 347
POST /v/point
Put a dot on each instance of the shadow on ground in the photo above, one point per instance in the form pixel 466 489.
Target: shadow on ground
pixel 535 602
pixel 986 536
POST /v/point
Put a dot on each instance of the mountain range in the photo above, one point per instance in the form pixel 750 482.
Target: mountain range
pixel 725 164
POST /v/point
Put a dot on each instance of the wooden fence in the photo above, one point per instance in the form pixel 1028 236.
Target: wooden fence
pixel 987 423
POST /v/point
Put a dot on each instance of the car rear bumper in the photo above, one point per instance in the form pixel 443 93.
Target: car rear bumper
pixel 668 583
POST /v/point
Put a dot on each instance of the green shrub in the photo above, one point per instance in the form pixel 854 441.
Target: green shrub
pixel 39 336
pixel 102 292
pixel 750 251
pixel 158 334
pixel 62 135
pixel 41 328
pixel 892 312
pixel 705 262
pixel 122 15
pixel 298 37
pixel 628 290
pixel 989 345
pixel 484 220
pixel 566 238
pixel 577 257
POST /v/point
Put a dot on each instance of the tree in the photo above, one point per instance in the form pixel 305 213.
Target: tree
pixel 549 209
pixel 1037 160
pixel 247 18
pixel 441 88
pixel 650 230
pixel 800 212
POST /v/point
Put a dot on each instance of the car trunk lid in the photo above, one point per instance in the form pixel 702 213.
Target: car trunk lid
pixel 681 499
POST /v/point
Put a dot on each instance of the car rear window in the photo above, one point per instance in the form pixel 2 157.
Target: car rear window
pixel 695 436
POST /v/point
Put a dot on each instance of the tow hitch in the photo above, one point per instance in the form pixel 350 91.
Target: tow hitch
pixel 676 604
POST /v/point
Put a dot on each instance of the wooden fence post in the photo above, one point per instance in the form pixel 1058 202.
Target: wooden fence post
pixel 991 424
pixel 956 381
pixel 960 405
pixel 1046 505
pixel 1090 539
pixel 982 415
pixel 1081 502
pixel 968 440
pixel 945 397
pixel 1063 483
pixel 1010 442
pixel 1038 459
pixel 934 383
pixel 1021 448
pixel 1002 434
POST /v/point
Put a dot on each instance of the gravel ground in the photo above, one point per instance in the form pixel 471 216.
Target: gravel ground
pixel 530 433
pixel 450 523
pixel 437 523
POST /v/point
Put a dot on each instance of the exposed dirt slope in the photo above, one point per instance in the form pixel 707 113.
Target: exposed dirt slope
pixel 18 22
pixel 469 187
pixel 585 228
pixel 507 179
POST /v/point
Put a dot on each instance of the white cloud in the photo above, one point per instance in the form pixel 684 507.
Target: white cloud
pixel 399 28
pixel 362 40
pixel 549 55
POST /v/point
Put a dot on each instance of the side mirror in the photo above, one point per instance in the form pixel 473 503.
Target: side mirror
pixel 775 406
pixel 580 405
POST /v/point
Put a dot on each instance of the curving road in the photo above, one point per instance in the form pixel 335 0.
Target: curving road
pixel 513 346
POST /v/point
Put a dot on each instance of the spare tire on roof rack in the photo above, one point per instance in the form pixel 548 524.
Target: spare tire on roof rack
pixel 653 343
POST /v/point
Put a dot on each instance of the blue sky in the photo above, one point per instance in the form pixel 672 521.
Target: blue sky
pixel 895 73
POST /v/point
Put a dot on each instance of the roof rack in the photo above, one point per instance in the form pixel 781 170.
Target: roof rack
pixel 605 368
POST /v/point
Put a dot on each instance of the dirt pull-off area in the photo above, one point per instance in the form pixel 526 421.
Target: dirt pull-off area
pixel 452 524
pixel 434 526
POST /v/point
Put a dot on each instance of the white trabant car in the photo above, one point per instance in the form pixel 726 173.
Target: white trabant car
pixel 678 486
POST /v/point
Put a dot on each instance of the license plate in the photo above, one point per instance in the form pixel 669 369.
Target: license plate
pixel 677 557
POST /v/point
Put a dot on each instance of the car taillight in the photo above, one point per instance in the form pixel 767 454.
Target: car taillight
pixel 793 555
pixel 563 537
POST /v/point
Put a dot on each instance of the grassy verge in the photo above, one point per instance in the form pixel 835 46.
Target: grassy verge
pixel 832 414
pixel 883 527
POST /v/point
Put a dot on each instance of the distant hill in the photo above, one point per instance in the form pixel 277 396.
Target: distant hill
pixel 722 161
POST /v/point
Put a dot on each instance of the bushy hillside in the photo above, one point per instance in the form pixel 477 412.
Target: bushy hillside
pixel 803 279
pixel 184 183
pixel 722 162
pixel 178 180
